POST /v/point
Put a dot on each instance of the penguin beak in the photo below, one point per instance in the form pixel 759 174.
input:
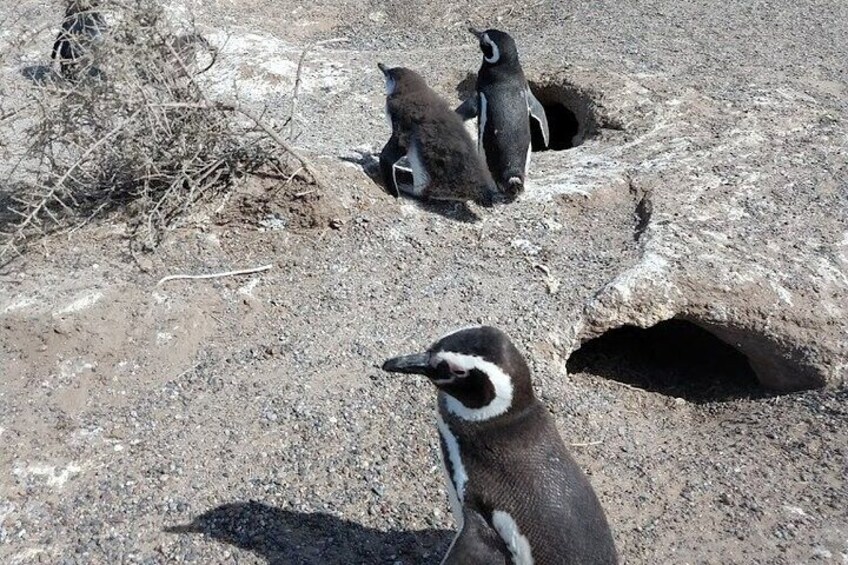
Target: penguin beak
pixel 418 364
pixel 476 32
pixel 383 68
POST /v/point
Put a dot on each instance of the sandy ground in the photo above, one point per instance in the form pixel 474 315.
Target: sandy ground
pixel 244 420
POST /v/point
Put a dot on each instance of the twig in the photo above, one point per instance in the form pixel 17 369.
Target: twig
pixel 586 444
pixel 236 107
pixel 292 113
pixel 9 114
pixel 214 275
pixel 187 371
pixel 88 219
pixel 184 68
pixel 288 181
pixel 36 210
pixel 307 165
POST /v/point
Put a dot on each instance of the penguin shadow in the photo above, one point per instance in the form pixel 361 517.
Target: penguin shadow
pixel 7 201
pixel 467 87
pixel 40 74
pixel 7 220
pixel 284 537
pixel 43 75
pixel 369 162
pixel 456 211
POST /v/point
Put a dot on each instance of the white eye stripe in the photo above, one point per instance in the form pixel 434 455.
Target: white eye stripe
pixel 501 382
pixel 496 54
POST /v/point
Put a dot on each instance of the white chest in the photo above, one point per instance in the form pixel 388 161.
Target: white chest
pixel 455 475
pixel 420 178
pixel 481 121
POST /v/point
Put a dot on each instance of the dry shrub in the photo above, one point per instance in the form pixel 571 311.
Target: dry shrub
pixel 134 132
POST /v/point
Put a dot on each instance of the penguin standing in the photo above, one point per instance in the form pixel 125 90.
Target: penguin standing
pixel 82 26
pixel 503 106
pixel 516 493
pixel 429 143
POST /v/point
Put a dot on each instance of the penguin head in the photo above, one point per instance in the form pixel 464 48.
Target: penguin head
pixel 480 371
pixel 401 79
pixel 497 46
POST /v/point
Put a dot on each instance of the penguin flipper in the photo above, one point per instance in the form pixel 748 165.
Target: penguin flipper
pixel 412 166
pixel 476 544
pixel 402 166
pixel 468 109
pixel 56 46
pixel 537 112
pixel 390 155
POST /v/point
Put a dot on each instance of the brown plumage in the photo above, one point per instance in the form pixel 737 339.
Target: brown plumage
pixel 426 129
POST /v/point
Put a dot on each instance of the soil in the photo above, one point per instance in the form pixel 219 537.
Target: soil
pixel 245 419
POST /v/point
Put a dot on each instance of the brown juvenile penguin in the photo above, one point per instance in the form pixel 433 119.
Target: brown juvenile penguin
pixel 429 142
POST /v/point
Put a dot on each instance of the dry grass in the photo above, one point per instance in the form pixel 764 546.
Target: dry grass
pixel 134 132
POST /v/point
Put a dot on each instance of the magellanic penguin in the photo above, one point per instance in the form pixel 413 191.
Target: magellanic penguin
pixel 429 142
pixel 504 106
pixel 82 26
pixel 516 493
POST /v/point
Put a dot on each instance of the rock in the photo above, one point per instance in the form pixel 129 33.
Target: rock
pixel 742 232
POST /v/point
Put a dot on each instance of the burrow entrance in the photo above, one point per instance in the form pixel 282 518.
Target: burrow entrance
pixel 674 357
pixel 570 112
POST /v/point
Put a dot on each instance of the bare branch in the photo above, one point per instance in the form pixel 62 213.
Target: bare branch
pixel 140 130
pixel 214 275
pixel 293 112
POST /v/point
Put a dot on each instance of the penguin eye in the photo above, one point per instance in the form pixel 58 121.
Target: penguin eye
pixel 457 370
pixel 448 370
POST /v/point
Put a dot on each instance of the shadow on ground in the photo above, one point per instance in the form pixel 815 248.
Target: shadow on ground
pixel 456 211
pixel 285 537
pixel 40 74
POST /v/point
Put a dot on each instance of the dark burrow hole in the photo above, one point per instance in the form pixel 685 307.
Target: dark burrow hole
pixel 570 113
pixel 674 357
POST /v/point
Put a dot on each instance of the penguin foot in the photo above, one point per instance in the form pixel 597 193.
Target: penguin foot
pixel 514 187
pixel 489 195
